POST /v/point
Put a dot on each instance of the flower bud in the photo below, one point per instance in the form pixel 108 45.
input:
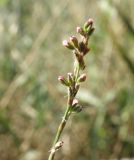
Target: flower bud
pixel 75 102
pixel 67 44
pixel 74 41
pixel 91 31
pixel 80 31
pixel 63 81
pixel 82 78
pixel 76 107
pixel 88 23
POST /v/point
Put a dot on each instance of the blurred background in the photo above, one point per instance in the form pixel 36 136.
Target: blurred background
pixel 32 101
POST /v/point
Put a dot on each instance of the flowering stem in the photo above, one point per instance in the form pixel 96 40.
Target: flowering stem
pixel 73 81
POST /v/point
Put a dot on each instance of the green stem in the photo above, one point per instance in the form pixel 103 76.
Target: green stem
pixel 62 124
pixel 76 70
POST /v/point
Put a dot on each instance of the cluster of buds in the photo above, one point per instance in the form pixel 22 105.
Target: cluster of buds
pixel 72 82
pixel 80 49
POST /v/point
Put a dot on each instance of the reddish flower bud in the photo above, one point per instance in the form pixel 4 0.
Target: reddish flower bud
pixel 80 31
pixel 75 102
pixel 67 44
pixel 63 81
pixel 82 78
pixel 76 107
pixel 74 41
pixel 88 23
